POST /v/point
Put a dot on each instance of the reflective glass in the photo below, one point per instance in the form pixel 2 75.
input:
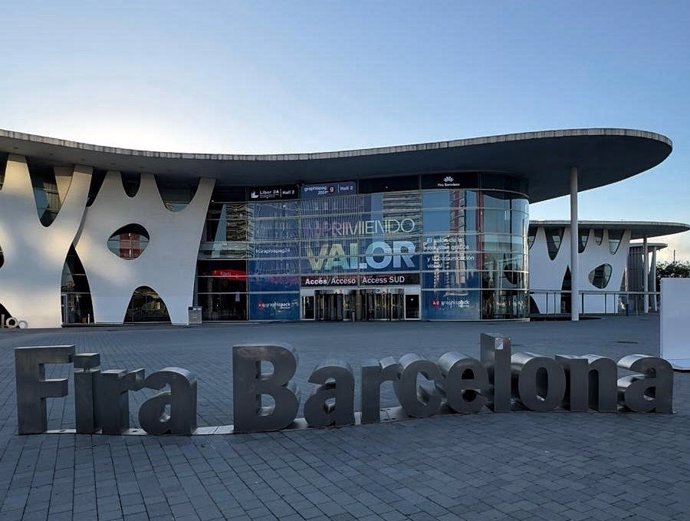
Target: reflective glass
pixel 273 283
pixel 458 279
pixel 450 305
pixel 274 306
pixel 274 209
pixel 273 229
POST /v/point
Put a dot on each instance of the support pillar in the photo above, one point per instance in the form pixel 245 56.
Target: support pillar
pixel 574 244
pixel 652 279
pixel 645 281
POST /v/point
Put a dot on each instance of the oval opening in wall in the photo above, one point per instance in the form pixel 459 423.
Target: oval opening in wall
pixel 129 242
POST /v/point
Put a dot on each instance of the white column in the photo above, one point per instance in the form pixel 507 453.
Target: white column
pixel 574 243
pixel 653 280
pixel 645 278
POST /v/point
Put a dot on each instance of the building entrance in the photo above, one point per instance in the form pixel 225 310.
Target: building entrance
pixel 361 304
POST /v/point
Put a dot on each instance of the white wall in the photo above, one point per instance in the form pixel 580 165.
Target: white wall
pixel 547 274
pixel 675 322
pixel 167 265
pixel 30 278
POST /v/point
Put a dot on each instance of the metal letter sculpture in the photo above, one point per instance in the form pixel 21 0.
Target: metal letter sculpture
pixel 374 373
pixel 181 399
pixel 495 355
pixel 650 391
pixel 418 401
pixel 590 383
pixel 333 401
pixel 112 398
pixel 465 380
pixel 540 381
pixel 455 383
pixel 250 383
pixel 86 369
pixel 33 388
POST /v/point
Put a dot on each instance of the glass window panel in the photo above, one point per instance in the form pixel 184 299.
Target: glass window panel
pixel 458 279
pixel 274 229
pixel 223 281
pixel 273 209
pixel 274 266
pixel 502 304
pixel 274 306
pixel 458 260
pixel 223 306
pixel 273 283
pixel 449 243
pixel 275 250
pixel 503 243
pixel 333 205
pixel 450 305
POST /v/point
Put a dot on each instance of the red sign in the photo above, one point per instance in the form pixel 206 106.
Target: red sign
pixel 230 274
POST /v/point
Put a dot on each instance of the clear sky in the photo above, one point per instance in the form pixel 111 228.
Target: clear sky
pixel 297 76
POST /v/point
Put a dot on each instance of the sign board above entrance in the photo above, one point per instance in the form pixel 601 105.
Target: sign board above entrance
pixel 271 193
pixel 329 189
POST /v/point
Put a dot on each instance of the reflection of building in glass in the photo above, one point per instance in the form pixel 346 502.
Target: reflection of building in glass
pixel 433 231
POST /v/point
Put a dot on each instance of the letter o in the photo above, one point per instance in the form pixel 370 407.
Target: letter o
pixel 541 382
pixel 371 252
pixel 402 225
pixel 11 323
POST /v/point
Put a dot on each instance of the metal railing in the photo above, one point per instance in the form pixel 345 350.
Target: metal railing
pixel 557 302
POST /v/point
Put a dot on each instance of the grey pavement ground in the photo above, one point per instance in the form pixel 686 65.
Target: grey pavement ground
pixel 519 465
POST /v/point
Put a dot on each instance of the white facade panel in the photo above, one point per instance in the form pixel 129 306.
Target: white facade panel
pixel 546 274
pixel 34 254
pixel 167 265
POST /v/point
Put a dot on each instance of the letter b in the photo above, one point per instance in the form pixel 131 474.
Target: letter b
pixel 250 383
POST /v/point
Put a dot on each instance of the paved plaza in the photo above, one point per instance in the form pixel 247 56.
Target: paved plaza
pixel 520 465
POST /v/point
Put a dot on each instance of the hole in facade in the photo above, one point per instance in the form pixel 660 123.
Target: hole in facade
pixel 77 307
pixel 129 242
pixel 131 183
pixel 176 197
pixel 46 193
pixel 554 237
pixel 599 276
pixel 146 306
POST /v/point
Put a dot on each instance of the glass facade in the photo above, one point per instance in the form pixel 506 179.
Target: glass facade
pixel 440 251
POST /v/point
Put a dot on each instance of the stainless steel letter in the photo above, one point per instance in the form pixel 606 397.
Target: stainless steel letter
pixel 181 398
pixel 86 367
pixel 650 391
pixel 540 381
pixel 590 383
pixel 374 373
pixel 332 402
pixel 112 398
pixel 33 388
pixel 465 380
pixel 495 355
pixel 249 383
pixel 418 401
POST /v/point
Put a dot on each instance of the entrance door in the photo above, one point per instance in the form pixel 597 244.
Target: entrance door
pixel 412 307
pixel 329 305
pixel 381 304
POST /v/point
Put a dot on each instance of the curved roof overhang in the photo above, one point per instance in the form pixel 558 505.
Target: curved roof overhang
pixel 544 159
pixel 638 229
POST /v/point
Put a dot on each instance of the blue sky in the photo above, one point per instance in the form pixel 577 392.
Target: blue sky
pixel 298 76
